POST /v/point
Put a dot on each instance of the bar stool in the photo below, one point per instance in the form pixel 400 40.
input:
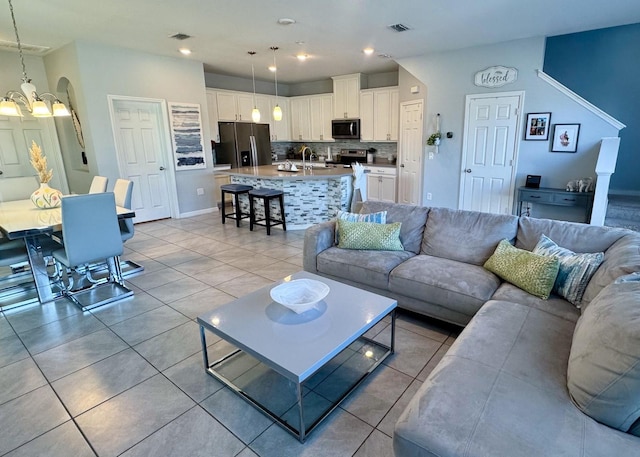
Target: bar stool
pixel 236 190
pixel 266 195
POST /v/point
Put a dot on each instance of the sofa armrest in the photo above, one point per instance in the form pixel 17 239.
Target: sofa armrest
pixel 317 239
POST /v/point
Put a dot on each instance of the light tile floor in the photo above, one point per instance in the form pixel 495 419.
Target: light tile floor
pixel 127 379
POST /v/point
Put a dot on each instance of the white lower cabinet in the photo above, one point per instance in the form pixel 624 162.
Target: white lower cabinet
pixel 381 184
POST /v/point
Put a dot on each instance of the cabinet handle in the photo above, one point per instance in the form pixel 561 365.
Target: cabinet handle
pixel 569 199
pixel 535 196
pixel 321 137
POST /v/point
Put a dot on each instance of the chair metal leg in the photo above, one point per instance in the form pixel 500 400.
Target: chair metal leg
pixel 252 213
pixel 284 224
pixel 267 214
pixel 224 213
pixel 238 211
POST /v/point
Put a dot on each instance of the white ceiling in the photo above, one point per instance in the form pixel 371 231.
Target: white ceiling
pixel 333 32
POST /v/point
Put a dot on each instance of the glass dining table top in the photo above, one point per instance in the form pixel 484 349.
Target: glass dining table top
pixel 20 218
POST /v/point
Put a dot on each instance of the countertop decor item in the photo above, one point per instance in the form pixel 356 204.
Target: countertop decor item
pixel 44 197
pixel 299 295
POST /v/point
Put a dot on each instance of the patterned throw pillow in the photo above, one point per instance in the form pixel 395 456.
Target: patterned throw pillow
pixel 530 272
pixel 575 270
pixel 379 218
pixel 370 236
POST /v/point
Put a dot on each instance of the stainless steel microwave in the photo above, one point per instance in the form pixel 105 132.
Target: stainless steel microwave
pixel 345 129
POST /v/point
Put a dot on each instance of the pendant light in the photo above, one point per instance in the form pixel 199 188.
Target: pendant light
pixel 277 111
pixel 33 102
pixel 255 112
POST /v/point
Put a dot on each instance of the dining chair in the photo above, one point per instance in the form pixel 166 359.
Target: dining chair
pixel 91 234
pixel 123 190
pixel 98 185
pixel 19 188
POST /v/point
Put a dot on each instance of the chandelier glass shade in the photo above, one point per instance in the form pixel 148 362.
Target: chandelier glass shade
pixel 33 102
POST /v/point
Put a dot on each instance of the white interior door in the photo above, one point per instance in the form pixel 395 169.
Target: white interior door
pixel 410 153
pixel 490 152
pixel 140 135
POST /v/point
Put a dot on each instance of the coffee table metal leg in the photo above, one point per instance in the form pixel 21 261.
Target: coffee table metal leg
pixel 302 435
pixel 393 331
pixel 203 340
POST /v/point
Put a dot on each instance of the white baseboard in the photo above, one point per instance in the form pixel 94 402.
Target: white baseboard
pixel 199 212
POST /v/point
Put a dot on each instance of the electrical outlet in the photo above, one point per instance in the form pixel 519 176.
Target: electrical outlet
pixel 429 196
pixel 431 155
pixel 200 191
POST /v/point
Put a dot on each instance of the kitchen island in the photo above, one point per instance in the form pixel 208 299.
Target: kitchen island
pixel 310 196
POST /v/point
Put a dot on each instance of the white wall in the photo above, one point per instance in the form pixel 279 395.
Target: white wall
pixel 449 78
pixel 102 70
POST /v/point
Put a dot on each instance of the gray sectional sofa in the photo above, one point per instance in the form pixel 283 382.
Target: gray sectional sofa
pixel 501 390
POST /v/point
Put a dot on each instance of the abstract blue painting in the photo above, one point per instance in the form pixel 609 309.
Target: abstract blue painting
pixel 186 132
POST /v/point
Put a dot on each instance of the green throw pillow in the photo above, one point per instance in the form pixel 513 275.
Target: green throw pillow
pixel 530 272
pixel 575 270
pixel 369 235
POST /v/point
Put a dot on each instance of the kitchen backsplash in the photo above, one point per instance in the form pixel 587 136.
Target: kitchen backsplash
pixel 383 150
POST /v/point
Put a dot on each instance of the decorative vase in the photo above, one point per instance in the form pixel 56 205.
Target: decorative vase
pixel 46 197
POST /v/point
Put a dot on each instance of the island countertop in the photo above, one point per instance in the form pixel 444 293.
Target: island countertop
pixel 271 171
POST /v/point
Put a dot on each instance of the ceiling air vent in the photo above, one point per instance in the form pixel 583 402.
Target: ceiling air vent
pixel 180 36
pixel 27 48
pixel 399 27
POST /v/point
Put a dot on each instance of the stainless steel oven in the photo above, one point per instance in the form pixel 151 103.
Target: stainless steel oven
pixel 348 156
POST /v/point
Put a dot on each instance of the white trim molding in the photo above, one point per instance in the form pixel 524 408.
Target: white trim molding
pixel 581 101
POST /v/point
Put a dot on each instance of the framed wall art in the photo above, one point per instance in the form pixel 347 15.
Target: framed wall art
pixel 537 128
pixel 186 133
pixel 565 137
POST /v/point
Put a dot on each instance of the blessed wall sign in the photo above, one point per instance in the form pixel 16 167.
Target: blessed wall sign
pixel 496 76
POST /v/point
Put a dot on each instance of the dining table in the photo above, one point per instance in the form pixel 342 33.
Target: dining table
pixel 22 219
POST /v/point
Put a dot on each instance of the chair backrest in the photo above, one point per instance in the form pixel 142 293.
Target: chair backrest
pixel 98 185
pixel 90 228
pixel 19 188
pixel 123 190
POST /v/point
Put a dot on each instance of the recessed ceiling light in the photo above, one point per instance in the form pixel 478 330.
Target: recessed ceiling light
pixel 286 21
pixel 300 43
pixel 368 51
pixel 272 68
pixel 185 51
pixel 302 57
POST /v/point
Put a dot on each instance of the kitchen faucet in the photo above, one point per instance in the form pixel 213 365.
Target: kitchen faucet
pixel 302 150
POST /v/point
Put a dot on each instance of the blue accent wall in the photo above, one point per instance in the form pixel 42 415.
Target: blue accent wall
pixel 603 67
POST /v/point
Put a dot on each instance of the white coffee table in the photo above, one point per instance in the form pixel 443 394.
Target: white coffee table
pixel 298 368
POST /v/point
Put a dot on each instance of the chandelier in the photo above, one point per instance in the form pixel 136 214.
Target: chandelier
pixel 29 98
pixel 277 111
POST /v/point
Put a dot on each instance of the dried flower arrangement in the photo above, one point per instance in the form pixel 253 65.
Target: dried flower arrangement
pixel 39 162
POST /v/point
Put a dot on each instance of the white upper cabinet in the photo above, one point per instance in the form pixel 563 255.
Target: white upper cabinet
pixel 321 107
pixel 300 118
pixel 280 130
pixel 379 114
pixel 346 91
pixel 234 106
pixel 212 109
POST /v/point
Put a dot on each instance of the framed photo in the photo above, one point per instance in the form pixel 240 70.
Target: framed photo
pixel 537 126
pixel 565 137
pixel 186 133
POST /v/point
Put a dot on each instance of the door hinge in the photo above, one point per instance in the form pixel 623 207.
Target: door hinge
pixel 517 111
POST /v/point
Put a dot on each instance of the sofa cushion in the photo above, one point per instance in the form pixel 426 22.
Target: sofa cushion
pixel 366 267
pixel 571 235
pixel 622 258
pixel 501 391
pixel 531 272
pixel 575 270
pixel 369 235
pixel 412 217
pixel 604 365
pixel 379 218
pixel 554 305
pixel 466 236
pixel 456 285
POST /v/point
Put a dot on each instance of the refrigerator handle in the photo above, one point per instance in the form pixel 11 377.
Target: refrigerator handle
pixel 254 151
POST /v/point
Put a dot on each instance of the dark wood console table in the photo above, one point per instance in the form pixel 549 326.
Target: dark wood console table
pixel 556 197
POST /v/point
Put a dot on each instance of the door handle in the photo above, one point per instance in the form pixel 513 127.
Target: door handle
pixel 162 168
pixel 402 165
pixel 468 170
pixel 1 172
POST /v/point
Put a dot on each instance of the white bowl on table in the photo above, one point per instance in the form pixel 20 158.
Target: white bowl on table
pixel 300 295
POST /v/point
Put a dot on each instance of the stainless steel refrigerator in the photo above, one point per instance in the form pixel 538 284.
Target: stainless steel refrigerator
pixel 243 144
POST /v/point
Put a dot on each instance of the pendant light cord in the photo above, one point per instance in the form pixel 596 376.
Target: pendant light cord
pixel 274 48
pixel 15 29
pixel 253 77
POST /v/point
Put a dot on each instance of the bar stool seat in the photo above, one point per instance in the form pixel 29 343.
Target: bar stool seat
pixel 266 195
pixel 236 190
